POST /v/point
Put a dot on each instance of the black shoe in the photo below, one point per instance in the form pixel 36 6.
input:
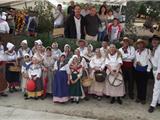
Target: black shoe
pixel 99 98
pixel 131 97
pixel 143 102
pixel 14 89
pixel 77 101
pixel 72 100
pixel 25 95
pixel 119 101
pixel 158 105
pixel 36 98
pixel 10 90
pixel 86 98
pixel 151 109
pixel 112 101
pixel 137 101
pixel 4 95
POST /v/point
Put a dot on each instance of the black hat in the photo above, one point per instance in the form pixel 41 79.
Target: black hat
pixel 156 37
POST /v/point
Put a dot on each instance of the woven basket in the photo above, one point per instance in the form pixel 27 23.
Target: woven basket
pixel 14 69
pixel 86 82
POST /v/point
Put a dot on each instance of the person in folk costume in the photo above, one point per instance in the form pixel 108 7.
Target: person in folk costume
pixel 114 85
pixel 11 76
pixel 76 71
pixel 89 54
pixel 142 66
pixel 24 72
pixel 36 43
pixel 83 62
pixel 40 52
pixel 22 51
pixel 60 83
pixel 2 69
pixel 128 55
pixel 48 74
pixel 56 51
pixel 104 48
pixel 35 73
pixel 67 51
pixel 82 46
pixel 96 64
pixel 155 40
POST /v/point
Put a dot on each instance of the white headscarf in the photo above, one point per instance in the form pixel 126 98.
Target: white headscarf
pixel 9 46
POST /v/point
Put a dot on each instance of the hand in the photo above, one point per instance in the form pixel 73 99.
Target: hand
pixel 138 63
pixel 68 82
pixel 158 76
pixel 45 69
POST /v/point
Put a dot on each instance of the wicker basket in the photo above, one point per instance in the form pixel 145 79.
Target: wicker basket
pixel 14 69
pixel 86 82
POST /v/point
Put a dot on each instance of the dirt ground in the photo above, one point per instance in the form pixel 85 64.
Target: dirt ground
pixel 101 110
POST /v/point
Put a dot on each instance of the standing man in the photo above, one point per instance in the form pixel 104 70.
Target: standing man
pixel 156 72
pixel 70 10
pixel 92 23
pixel 74 27
pixel 128 55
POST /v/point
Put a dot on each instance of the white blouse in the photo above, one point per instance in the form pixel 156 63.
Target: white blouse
pixel 130 55
pixel 64 68
pixel 97 62
pixel 2 53
pixel 11 56
pixel 35 69
pixel 113 61
pixel 144 58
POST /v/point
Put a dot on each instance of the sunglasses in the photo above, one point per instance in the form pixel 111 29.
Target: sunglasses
pixel 26 57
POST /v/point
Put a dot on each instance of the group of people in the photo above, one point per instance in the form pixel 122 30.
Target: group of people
pixel 89 24
pixel 111 72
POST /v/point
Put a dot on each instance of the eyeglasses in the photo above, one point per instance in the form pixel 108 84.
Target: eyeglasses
pixel 26 57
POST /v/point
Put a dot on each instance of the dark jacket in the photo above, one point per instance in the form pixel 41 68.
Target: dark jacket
pixel 70 28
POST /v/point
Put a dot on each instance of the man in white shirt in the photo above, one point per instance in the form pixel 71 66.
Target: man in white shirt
pixel 4 27
pixel 156 72
pixel 128 55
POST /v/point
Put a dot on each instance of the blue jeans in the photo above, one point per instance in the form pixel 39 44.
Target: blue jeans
pixel 101 35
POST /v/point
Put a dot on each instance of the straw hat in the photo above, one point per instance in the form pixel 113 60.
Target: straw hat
pixel 81 40
pixel 141 41
pixel 126 39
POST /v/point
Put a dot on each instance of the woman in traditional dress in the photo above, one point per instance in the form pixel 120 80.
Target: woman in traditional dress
pixel 114 85
pixel 48 66
pixel 89 54
pixel 24 72
pixel 56 51
pixel 75 88
pixel 67 51
pixel 3 82
pixel 142 65
pixel 11 76
pixel 22 51
pixel 60 83
pixel 96 64
pixel 36 44
pixel 35 74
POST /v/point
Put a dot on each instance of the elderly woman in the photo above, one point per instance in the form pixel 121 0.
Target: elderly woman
pixel 67 51
pixel 23 50
pixel 114 85
pixel 56 51
pixel 11 76
pixel 142 65
pixel 96 64
pixel 48 65
pixel 60 83
pixel 89 54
